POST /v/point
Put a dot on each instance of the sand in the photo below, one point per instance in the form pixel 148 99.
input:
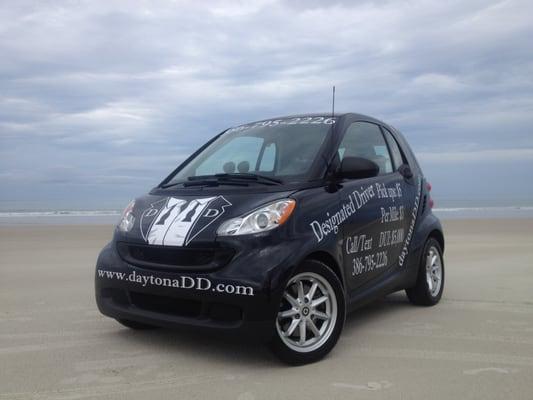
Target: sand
pixel 476 344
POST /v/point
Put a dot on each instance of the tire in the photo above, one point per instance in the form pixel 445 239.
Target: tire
pixel 430 273
pixel 138 326
pixel 313 282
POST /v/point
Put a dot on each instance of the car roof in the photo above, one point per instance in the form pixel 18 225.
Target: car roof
pixel 351 115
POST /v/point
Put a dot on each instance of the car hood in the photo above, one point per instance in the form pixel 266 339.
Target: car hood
pixel 183 220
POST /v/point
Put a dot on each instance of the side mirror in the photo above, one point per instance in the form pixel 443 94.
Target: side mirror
pixel 405 171
pixel 358 168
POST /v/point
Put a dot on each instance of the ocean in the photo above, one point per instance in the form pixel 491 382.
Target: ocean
pixel 73 217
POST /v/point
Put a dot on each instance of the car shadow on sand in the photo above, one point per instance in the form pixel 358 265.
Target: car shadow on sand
pixel 224 349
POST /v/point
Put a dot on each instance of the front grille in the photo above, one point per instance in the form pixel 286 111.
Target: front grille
pixel 167 257
pixel 166 305
pixel 224 314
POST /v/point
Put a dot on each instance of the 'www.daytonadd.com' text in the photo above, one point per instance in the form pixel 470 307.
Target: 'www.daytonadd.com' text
pixel 181 282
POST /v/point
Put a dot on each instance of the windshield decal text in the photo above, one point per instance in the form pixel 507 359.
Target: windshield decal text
pixel 285 121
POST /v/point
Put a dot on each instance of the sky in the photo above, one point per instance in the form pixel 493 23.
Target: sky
pixel 100 100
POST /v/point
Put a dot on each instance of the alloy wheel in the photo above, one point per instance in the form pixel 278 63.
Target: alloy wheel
pixel 434 271
pixel 308 312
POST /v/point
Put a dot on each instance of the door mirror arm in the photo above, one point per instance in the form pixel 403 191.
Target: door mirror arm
pixel 332 176
pixel 405 171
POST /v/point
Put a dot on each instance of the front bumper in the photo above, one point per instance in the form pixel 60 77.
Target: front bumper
pixel 242 297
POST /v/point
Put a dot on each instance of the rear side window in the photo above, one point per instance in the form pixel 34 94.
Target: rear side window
pixel 365 140
pixel 396 153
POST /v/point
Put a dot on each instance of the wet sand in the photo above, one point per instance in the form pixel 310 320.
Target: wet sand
pixel 476 344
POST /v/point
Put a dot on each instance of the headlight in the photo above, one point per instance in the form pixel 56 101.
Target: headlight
pixel 126 221
pixel 263 219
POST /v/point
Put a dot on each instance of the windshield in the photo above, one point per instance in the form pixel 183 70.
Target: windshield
pixel 283 148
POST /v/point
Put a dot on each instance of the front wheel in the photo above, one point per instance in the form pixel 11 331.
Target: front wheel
pixel 430 281
pixel 311 314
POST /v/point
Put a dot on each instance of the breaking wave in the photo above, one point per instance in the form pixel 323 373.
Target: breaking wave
pixel 60 213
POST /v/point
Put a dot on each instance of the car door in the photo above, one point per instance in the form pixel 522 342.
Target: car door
pixel 398 219
pixel 375 221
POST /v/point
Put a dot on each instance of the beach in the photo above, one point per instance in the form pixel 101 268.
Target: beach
pixel 477 343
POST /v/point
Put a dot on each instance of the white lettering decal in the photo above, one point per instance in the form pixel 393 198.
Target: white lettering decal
pixel 182 282
pixel 414 215
pixel 175 222
pixel 285 121
pixel 369 263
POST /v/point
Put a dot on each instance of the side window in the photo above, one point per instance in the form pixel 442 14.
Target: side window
pixel 363 139
pixel 396 153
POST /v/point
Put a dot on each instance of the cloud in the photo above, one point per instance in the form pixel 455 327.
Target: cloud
pixel 93 83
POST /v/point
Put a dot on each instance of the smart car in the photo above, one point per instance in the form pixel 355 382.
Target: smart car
pixel 276 230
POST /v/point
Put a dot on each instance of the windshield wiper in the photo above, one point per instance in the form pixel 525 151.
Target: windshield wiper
pixel 244 176
pixel 167 185
pixel 255 177
pixel 212 182
pixel 234 179
pixel 204 182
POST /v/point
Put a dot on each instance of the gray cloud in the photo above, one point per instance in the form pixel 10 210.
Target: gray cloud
pixel 113 95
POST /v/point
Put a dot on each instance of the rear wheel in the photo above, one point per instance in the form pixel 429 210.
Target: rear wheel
pixel 135 325
pixel 430 281
pixel 311 315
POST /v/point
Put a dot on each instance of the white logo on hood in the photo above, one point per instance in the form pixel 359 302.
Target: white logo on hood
pixel 175 222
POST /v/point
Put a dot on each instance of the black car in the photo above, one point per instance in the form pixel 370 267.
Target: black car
pixel 276 229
